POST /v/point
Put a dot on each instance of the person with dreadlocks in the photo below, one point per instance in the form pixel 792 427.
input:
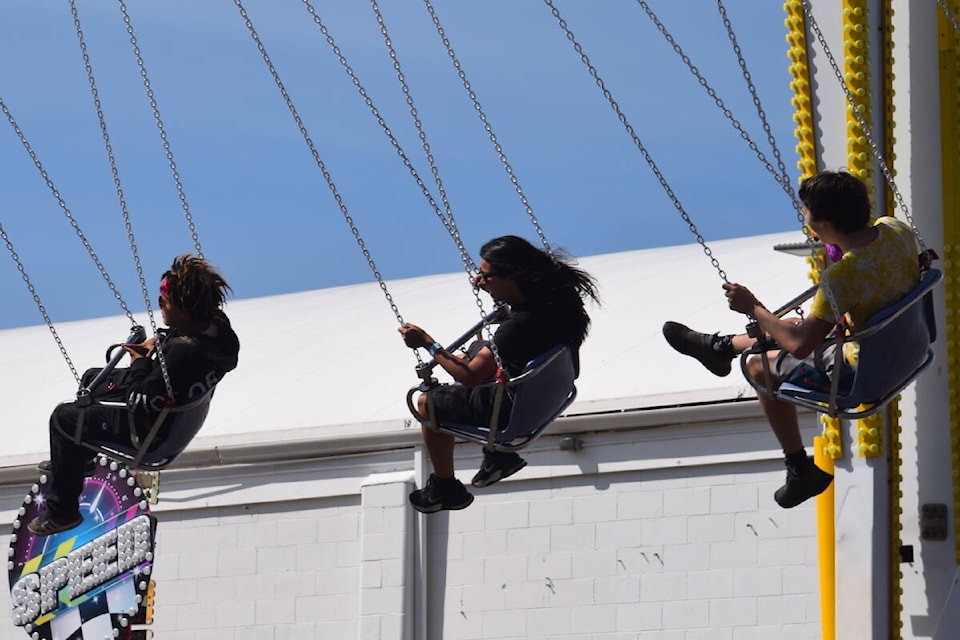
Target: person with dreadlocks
pixel 199 348
pixel 546 295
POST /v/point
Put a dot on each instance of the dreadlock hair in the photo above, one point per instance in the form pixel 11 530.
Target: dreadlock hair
pixel 544 278
pixel 196 287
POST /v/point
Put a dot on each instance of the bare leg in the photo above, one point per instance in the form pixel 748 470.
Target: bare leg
pixel 804 479
pixel 439 445
pixel 741 342
pixel 782 416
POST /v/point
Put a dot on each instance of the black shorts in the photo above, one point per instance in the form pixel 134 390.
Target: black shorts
pixel 468 405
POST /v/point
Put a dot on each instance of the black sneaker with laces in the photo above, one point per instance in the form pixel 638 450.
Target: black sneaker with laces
pixel 712 350
pixel 46 525
pixel 441 494
pixel 496 466
pixel 804 481
pixel 89 469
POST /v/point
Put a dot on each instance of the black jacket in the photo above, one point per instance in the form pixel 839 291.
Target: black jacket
pixel 195 363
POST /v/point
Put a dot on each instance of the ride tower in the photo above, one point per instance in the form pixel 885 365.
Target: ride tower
pixel 876 92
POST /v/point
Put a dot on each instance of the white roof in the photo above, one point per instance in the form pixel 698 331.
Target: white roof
pixel 331 359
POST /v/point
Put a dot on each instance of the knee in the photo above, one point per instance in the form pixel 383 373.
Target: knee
pixel 422 405
pixel 756 369
pixel 58 416
pixel 759 373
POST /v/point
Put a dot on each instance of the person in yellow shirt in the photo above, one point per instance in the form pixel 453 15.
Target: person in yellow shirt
pixel 878 267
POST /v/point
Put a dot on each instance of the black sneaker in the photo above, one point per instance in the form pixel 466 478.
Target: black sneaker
pixel 45 525
pixel 439 494
pixel 89 469
pixel 804 481
pixel 712 351
pixel 496 466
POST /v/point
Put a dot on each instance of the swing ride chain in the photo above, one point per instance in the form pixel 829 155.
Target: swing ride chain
pixel 66 211
pixel 163 132
pixel 487 126
pixel 864 126
pixel 120 196
pixel 320 164
pixel 500 153
pixel 36 299
pixel 760 112
pixel 950 15
pixel 636 139
pixel 448 222
pixel 782 179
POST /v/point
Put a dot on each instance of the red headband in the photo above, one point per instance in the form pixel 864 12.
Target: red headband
pixel 165 289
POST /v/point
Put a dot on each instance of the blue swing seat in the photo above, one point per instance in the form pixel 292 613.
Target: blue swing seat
pixel 894 351
pixel 541 392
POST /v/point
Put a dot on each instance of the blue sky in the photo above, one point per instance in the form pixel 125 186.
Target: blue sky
pixel 262 209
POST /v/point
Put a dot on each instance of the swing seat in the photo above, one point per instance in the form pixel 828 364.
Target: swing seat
pixel 894 351
pixel 542 391
pixel 181 424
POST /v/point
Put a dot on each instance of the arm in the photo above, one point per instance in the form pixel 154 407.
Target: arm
pixel 470 373
pixel 146 388
pixel 798 338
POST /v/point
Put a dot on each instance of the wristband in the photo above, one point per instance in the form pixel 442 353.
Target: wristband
pixel 436 346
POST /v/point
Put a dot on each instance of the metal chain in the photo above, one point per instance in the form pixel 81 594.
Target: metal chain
pixel 950 15
pixel 320 164
pixel 487 126
pixel 163 132
pixel 119 188
pixel 448 220
pixel 782 179
pixel 864 126
pixel 636 139
pixel 66 211
pixel 36 299
pixel 771 140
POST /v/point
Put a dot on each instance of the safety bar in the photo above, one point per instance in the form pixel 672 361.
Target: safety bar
pixel 84 398
pixel 532 370
pixel 497 315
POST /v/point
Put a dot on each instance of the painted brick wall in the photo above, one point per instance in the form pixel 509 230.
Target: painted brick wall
pixel 259 572
pixel 685 552
pixel 690 554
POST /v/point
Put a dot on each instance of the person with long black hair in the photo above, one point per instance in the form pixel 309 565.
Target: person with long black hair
pixel 545 292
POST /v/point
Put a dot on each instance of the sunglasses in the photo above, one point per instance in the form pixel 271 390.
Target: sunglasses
pixel 486 275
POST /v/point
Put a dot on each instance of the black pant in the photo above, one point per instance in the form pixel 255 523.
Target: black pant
pixel 68 459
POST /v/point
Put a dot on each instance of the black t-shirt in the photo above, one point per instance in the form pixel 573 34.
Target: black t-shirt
pixel 532 329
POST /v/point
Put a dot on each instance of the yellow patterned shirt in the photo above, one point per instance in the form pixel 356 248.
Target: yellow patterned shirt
pixel 870 277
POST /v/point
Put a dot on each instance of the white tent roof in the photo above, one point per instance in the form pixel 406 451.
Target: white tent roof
pixel 331 359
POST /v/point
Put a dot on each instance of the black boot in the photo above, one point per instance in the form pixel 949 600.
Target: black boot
pixel 712 350
pixel 804 481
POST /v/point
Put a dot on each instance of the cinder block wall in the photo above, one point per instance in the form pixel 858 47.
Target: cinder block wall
pixel 654 534
pixel 654 554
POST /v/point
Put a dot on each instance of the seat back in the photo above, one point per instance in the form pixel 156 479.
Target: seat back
pixel 540 394
pixel 894 350
pixel 180 426
pixel 895 343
